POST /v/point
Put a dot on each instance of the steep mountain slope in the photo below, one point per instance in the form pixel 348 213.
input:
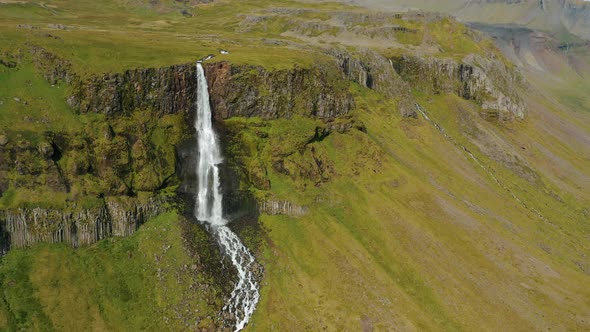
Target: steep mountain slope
pixel 389 171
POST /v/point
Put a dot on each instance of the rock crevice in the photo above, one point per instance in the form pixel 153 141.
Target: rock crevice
pixel 374 71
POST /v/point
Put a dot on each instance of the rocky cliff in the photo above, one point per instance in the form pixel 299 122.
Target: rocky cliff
pixel 163 91
pixel 488 82
pixel 242 90
pixel 273 207
pixel 75 225
pixel 374 71
pixel 254 91
pixel 236 90
pixel 123 156
pixel 88 181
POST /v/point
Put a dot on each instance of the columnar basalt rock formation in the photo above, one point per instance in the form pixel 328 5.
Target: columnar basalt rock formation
pixel 166 90
pixel 77 226
pixel 278 207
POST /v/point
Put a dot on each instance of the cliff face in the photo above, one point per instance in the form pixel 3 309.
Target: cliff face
pixel 236 90
pixel 118 157
pixel 287 208
pixel 241 90
pixel 136 150
pixel 253 91
pixel 376 72
pixel 490 83
pixel 77 226
pixel 22 163
pixel 163 91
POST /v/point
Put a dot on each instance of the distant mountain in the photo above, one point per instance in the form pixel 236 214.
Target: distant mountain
pixel 557 16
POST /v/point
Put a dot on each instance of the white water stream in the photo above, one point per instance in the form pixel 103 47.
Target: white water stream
pixel 245 294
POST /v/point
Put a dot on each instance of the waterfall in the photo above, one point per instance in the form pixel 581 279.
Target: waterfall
pixel 208 208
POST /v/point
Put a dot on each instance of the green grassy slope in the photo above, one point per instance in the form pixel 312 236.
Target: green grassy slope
pixel 149 281
pixel 112 36
pixel 410 233
pixel 32 104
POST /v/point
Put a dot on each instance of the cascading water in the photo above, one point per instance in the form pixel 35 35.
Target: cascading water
pixel 245 295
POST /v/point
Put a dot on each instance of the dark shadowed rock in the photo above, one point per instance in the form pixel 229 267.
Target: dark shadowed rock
pixel 255 91
pixel 164 91
pixel 236 90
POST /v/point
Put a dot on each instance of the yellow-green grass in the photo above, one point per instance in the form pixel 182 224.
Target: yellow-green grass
pixel 412 234
pixel 134 283
pixel 111 37
pixel 563 211
pixel 29 104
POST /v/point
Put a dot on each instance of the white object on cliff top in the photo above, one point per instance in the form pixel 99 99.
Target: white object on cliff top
pixel 224 51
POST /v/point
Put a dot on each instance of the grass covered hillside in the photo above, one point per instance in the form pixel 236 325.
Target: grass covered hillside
pixel 406 231
pixel 117 284
pixel 467 213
